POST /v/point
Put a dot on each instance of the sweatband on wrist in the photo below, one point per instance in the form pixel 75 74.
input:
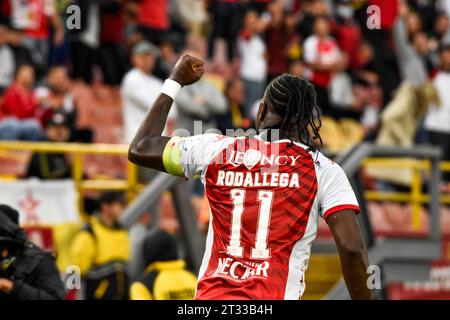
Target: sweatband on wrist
pixel 171 88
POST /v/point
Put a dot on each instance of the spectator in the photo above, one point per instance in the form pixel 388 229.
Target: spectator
pixel 18 112
pixel 277 35
pixel 52 165
pixel 413 22
pixel 437 121
pixel 253 53
pixel 193 15
pixel 101 250
pixel 427 11
pixel 227 17
pixel 201 101
pixel 165 277
pixel 348 33
pixel 84 42
pixel 400 120
pixel 235 117
pixel 368 96
pixel 310 10
pixel 322 54
pixel 58 97
pixel 139 88
pixel 26 271
pixel 34 18
pixel 421 43
pixel 441 31
pixel 7 63
pixel 153 19
pixel 112 58
pixel 412 67
pixel 21 54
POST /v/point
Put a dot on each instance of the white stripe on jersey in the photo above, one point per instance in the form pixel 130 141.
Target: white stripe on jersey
pixel 208 248
pixel 295 284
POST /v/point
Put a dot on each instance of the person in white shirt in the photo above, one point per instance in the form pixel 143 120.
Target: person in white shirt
pixel 139 87
pixel 7 63
pixel 253 67
pixel 437 121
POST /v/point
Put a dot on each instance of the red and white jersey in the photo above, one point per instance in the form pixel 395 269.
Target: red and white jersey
pixel 265 200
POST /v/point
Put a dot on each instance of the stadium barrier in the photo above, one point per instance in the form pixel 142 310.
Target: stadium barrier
pixel 415 196
pixel 77 151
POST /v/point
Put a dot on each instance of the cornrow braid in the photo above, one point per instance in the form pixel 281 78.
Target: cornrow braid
pixel 294 99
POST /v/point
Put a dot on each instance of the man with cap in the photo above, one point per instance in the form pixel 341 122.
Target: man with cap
pixel 26 271
pixel 52 165
pixel 140 87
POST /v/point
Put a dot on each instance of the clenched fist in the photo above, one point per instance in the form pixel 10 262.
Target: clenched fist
pixel 188 70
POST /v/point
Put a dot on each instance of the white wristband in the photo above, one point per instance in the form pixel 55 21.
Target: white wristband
pixel 171 88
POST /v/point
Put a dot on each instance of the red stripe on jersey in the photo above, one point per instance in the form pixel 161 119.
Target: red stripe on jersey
pixel 229 276
pixel 341 208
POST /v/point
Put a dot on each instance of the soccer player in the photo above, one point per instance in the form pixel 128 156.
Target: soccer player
pixel 265 195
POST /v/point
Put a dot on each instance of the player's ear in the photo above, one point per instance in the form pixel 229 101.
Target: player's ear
pixel 261 114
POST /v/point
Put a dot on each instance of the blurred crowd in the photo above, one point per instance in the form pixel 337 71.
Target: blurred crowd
pixel 381 69
pixel 359 63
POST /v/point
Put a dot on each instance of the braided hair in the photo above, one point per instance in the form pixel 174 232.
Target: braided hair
pixel 294 100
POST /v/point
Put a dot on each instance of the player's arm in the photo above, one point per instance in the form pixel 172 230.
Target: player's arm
pixel 148 145
pixel 352 252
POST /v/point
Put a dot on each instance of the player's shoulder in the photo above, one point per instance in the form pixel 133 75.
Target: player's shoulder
pixel 204 142
pixel 325 165
pixel 207 137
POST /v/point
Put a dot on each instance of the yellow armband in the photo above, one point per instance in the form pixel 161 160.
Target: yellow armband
pixel 172 157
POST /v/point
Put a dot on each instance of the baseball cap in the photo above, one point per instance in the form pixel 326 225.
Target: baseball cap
pixel 57 119
pixel 145 47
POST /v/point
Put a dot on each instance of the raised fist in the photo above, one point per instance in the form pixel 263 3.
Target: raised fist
pixel 188 70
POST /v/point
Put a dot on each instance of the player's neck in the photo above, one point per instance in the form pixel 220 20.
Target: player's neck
pixel 274 134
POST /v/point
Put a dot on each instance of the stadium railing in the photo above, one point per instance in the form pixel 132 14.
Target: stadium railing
pixel 415 196
pixel 77 151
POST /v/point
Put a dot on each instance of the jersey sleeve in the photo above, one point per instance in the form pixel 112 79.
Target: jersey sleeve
pixel 190 156
pixel 335 192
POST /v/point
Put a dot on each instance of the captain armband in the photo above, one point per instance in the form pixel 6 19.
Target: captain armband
pixel 172 157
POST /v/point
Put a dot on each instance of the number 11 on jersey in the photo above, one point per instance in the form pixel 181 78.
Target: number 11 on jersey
pixel 260 250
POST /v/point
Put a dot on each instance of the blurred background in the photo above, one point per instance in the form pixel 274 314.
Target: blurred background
pixel 77 77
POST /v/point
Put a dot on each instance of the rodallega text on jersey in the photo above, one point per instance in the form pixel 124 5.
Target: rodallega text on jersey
pixel 257 179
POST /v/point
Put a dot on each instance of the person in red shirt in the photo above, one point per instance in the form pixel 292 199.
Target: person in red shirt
pixel 347 32
pixel 323 56
pixel 153 19
pixel 277 37
pixel 18 112
pixel 112 56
